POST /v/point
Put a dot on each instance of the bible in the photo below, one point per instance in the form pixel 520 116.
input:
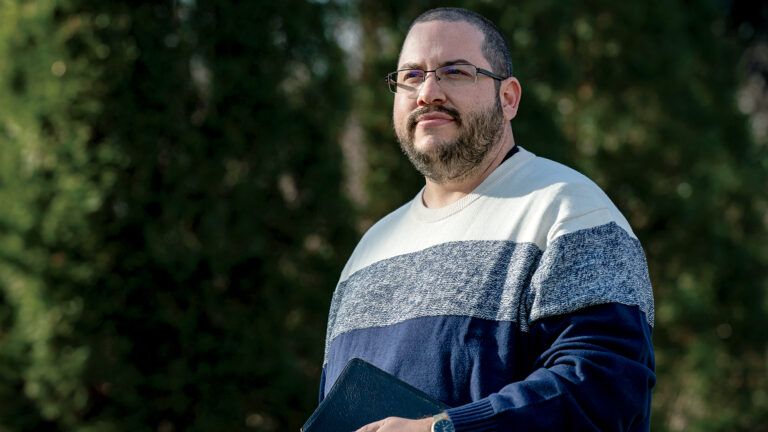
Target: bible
pixel 363 394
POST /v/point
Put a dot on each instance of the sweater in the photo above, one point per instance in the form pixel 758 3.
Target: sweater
pixel 525 305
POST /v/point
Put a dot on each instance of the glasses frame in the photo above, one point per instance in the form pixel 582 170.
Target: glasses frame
pixel 392 83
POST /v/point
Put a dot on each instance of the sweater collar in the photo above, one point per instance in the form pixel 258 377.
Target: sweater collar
pixel 506 168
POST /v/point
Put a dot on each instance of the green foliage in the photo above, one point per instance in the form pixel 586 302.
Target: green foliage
pixel 173 222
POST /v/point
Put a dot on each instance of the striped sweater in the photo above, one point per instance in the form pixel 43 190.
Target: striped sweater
pixel 525 305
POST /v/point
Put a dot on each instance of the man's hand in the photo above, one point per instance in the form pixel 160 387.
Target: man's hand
pixel 397 424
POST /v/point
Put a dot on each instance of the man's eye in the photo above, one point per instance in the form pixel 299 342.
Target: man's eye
pixel 456 72
pixel 412 76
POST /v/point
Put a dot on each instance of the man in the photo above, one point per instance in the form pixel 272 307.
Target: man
pixel 510 288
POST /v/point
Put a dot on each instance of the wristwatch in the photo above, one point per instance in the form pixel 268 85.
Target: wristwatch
pixel 442 423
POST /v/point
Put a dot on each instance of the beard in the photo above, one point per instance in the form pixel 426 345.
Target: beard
pixel 458 159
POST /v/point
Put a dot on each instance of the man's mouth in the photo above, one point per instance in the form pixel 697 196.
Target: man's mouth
pixel 434 119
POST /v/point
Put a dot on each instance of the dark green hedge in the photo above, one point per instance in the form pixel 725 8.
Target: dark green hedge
pixel 174 213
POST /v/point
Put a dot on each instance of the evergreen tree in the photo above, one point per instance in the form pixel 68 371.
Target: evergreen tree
pixel 174 221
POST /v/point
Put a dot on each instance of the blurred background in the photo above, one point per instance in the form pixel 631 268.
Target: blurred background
pixel 182 181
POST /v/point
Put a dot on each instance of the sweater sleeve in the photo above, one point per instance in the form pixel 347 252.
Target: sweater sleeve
pixel 590 311
pixel 595 373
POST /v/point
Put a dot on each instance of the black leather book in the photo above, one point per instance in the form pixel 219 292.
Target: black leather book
pixel 363 394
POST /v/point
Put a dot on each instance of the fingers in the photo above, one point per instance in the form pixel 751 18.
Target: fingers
pixel 397 424
pixel 371 427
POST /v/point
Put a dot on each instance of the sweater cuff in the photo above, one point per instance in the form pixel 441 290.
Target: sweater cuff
pixel 475 416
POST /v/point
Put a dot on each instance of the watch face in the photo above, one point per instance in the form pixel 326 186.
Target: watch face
pixel 443 425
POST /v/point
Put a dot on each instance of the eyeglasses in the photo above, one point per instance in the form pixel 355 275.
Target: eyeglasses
pixel 409 81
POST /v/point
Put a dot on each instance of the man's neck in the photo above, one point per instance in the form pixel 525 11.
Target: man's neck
pixel 438 195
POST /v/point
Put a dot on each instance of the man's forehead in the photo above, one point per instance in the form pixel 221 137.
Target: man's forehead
pixel 438 42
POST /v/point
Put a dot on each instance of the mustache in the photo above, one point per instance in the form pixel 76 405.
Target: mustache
pixel 413 118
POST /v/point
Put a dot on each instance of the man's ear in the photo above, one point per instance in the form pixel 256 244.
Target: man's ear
pixel 509 94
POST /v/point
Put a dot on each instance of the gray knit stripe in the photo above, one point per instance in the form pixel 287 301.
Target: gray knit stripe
pixel 496 280
pixel 483 279
pixel 589 267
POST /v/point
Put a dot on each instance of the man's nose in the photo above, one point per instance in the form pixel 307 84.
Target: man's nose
pixel 430 91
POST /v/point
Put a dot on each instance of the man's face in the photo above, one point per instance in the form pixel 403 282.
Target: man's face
pixel 447 132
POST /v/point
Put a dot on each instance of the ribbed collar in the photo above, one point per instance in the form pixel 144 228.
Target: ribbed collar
pixel 429 215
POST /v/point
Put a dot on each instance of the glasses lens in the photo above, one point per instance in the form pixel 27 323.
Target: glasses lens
pixel 410 77
pixel 457 75
pixel 409 81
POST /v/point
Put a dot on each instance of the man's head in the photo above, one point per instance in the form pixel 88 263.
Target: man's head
pixel 494 46
pixel 447 130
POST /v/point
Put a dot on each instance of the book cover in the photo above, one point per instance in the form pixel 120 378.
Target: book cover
pixel 363 394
